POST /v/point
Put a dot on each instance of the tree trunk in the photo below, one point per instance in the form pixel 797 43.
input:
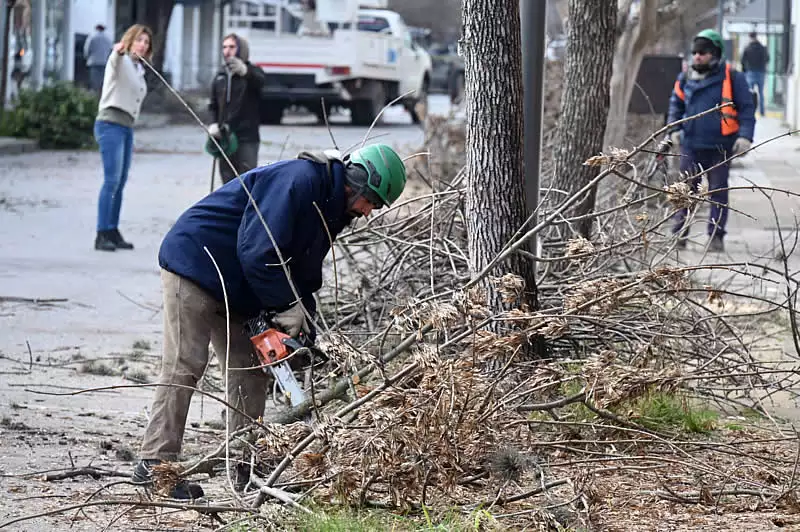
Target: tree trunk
pixel 585 100
pixel 492 50
pixel 156 16
pixel 627 61
pixel 636 35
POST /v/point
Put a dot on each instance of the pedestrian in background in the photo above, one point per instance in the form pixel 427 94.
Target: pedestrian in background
pixel 754 65
pixel 124 89
pixel 235 106
pixel 708 141
pixel 96 51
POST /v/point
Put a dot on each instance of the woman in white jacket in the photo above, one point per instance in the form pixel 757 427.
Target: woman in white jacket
pixel 124 90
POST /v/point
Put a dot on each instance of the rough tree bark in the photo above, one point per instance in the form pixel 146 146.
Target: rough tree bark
pixel 492 50
pixel 585 100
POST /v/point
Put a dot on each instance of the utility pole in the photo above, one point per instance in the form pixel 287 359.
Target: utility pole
pixel 720 16
pixel 534 36
pixel 4 68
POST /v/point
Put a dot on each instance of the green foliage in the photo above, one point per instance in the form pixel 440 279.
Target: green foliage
pixel 660 410
pixel 59 116
pixel 343 519
pixel 348 520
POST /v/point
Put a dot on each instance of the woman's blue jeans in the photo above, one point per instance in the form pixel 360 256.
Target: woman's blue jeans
pixel 116 147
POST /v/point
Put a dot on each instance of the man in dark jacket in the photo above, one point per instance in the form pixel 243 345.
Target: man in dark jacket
pixel 305 203
pixel 235 100
pixel 706 142
pixel 754 64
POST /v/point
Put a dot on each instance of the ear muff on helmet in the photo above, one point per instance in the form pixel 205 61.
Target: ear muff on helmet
pixel 385 169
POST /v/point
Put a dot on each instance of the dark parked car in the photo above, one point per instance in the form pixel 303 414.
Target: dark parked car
pixel 443 58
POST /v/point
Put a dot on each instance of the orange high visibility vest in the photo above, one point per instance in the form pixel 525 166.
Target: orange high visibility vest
pixel 730 117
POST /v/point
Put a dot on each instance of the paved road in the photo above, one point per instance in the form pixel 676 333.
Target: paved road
pixel 47 217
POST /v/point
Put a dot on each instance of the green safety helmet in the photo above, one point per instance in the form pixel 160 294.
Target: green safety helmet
pixel 714 37
pixel 385 169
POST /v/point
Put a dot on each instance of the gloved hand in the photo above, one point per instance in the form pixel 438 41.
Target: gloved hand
pixel 215 131
pixel 741 145
pixel 664 146
pixel 675 138
pixel 237 66
pixel 292 321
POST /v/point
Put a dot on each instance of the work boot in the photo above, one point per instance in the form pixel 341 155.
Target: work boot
pixel 184 490
pixel 241 476
pixel 683 239
pixel 103 242
pixel 716 245
pixel 116 237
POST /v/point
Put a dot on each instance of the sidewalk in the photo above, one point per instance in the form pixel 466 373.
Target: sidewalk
pixel 15 146
pixel 773 163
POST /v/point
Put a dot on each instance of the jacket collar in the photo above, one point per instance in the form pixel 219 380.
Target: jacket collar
pixel 335 208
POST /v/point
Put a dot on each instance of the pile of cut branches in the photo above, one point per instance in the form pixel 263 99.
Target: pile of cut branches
pixel 655 388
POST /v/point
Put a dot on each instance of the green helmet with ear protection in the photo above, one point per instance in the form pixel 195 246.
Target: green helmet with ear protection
pixel 714 37
pixel 386 171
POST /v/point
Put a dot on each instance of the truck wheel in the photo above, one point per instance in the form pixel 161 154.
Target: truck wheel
pixel 271 115
pixel 318 112
pixel 363 112
pixel 419 107
pixel 457 89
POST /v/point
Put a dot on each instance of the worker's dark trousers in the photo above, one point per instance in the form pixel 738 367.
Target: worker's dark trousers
pixel 192 318
pixel 692 162
pixel 245 158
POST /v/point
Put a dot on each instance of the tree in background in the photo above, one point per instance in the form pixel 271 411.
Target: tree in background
pixel 442 17
pixel 585 100
pixel 668 25
pixel 156 15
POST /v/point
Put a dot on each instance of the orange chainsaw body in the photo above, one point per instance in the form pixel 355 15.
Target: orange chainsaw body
pixel 270 346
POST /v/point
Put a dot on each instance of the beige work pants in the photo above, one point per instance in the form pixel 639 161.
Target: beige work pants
pixel 192 318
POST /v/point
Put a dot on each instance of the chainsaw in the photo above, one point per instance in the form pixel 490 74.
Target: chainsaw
pixel 275 350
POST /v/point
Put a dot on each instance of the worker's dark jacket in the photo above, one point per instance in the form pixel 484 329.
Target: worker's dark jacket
pixel 705 132
pixel 227 224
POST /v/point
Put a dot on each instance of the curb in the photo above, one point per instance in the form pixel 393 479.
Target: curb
pixel 15 146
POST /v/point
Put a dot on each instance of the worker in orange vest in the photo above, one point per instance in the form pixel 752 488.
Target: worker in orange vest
pixel 707 142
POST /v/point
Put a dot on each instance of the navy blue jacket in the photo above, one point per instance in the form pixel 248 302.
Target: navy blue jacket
pixel 705 133
pixel 226 222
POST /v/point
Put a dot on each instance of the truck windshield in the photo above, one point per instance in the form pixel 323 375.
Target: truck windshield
pixel 376 24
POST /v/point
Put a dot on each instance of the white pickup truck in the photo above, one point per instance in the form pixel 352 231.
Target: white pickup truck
pixel 344 53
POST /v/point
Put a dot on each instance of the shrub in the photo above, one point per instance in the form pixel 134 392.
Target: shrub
pixel 59 116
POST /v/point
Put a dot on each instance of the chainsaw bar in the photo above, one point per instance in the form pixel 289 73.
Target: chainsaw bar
pixel 288 383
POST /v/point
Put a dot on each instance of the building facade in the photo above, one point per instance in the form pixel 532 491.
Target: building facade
pixel 46 39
